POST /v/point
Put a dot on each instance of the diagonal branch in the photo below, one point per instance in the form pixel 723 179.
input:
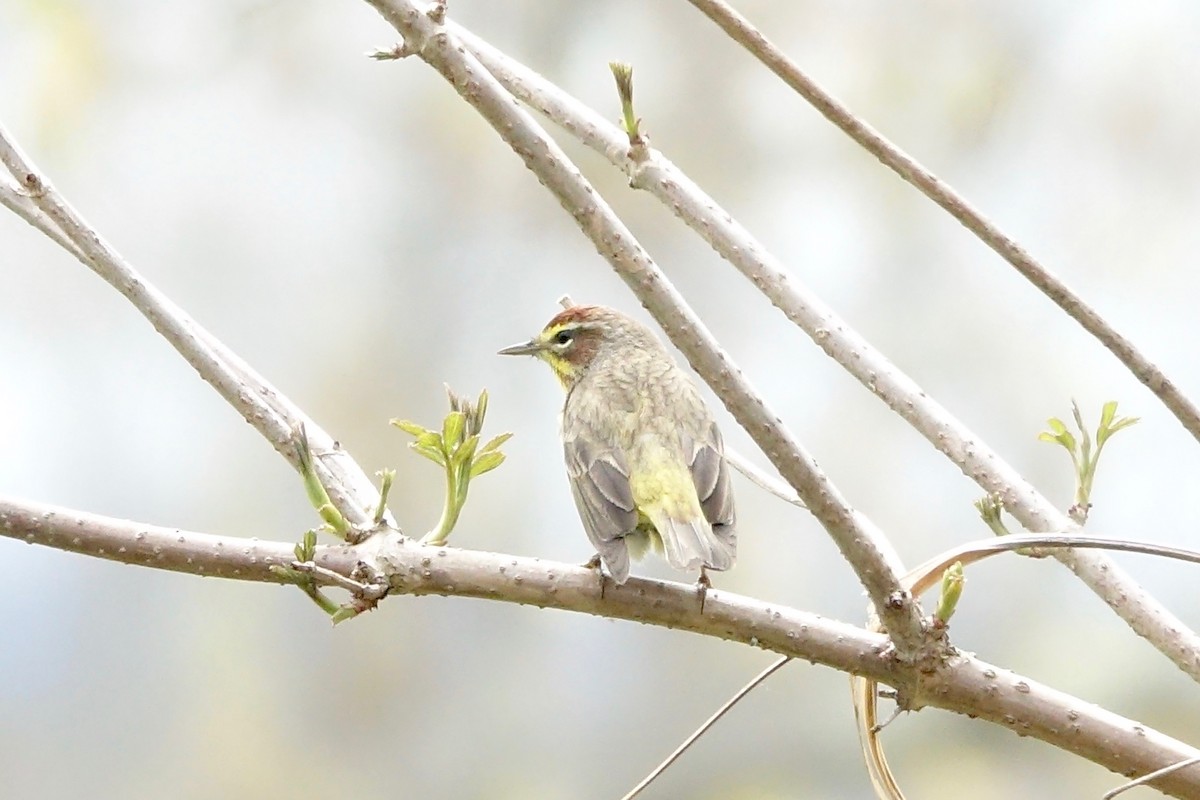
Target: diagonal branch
pixel 23 206
pixel 961 684
pixel 648 169
pixel 741 31
pixel 867 550
pixel 259 403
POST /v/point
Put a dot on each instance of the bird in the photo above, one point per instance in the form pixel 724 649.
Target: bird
pixel 644 456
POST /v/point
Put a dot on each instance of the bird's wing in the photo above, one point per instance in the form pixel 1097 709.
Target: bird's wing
pixel 600 484
pixel 710 474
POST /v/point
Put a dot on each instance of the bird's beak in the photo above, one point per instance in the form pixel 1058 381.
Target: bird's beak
pixel 530 348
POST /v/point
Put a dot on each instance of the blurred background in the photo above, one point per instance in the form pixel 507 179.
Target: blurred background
pixel 357 233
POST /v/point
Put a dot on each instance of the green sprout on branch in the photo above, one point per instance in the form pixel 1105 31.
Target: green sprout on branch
pixel 1084 454
pixel 335 523
pixel 990 508
pixel 623 73
pixel 952 587
pixel 386 476
pixel 305 551
pixel 304 571
pixel 456 449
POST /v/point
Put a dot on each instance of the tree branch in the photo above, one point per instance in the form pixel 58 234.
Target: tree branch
pixel 864 547
pixel 23 206
pixel 741 31
pixel 153 546
pixel 962 684
pixel 648 169
pixel 259 403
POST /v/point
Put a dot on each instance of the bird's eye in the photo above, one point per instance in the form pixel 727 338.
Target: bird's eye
pixel 563 338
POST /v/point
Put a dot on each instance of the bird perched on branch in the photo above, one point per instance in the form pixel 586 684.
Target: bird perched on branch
pixel 644 457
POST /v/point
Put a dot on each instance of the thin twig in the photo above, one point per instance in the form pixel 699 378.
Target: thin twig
pixel 762 478
pixel 869 553
pixel 1142 781
pixel 923 577
pixel 651 171
pixel 708 723
pixel 741 31
pixel 331 578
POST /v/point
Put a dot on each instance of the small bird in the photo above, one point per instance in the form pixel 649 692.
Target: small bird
pixel 644 457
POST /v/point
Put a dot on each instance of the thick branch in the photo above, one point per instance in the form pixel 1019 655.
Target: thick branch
pixel 648 169
pixel 741 31
pixel 154 546
pixel 964 684
pixel 861 543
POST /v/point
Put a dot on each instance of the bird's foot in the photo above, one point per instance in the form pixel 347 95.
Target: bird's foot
pixel 703 584
pixel 595 563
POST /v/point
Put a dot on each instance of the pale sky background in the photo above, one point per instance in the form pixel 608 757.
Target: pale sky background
pixel 358 234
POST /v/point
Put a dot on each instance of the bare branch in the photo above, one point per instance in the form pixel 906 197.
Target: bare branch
pixel 259 403
pixel 741 31
pixel 411 568
pixel 23 206
pixel 651 171
pixel 762 479
pixel 962 683
pixel 154 546
pixel 864 547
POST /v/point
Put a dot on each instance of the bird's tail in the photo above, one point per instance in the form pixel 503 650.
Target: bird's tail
pixel 692 544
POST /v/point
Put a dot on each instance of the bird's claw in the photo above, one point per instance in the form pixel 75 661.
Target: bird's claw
pixel 703 584
pixel 595 563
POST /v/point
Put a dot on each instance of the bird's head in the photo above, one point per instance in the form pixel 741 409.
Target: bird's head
pixel 573 340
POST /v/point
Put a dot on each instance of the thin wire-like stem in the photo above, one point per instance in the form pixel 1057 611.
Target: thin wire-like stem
pixel 744 33
pixel 1142 781
pixel 922 578
pixel 762 479
pixel 708 723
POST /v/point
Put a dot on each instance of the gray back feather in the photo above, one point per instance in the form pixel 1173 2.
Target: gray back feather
pixel 600 486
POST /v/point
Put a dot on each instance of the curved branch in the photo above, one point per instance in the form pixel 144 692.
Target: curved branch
pixel 648 169
pixel 259 403
pixel 741 31
pixel 961 684
pixel 864 547
pixel 864 692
